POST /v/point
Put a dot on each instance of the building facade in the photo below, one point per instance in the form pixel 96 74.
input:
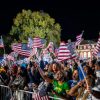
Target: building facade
pixel 85 49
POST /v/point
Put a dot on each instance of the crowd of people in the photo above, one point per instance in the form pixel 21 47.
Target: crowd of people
pixel 63 80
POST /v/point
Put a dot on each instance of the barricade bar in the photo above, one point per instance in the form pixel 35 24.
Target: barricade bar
pixel 6 94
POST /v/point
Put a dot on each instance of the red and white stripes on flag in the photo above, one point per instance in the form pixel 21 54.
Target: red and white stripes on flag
pixel 50 47
pixel 37 43
pixel 63 52
pixel 18 48
pixel 36 96
pixel 30 42
pixel 71 47
pixel 74 56
pixel 97 48
pixel 78 39
pixel 10 57
pixel 34 51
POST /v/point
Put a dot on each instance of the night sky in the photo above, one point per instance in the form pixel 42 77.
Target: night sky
pixel 73 16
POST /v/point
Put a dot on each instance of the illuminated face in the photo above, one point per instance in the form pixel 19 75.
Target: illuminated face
pixel 54 67
pixel 75 74
pixel 97 68
pixel 86 70
pixel 19 70
pixel 58 75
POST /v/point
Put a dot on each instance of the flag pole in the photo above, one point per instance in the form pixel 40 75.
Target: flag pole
pixel 82 32
pixel 99 48
pixel 83 75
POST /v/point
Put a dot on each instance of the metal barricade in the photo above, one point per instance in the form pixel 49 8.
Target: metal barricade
pixel 5 93
pixel 26 95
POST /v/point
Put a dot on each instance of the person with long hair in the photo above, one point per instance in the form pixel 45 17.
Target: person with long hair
pixel 60 86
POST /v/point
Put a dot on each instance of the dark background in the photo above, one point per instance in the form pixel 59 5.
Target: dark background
pixel 74 16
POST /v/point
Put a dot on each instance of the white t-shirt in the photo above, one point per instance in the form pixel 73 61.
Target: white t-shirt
pixel 94 98
pixel 90 97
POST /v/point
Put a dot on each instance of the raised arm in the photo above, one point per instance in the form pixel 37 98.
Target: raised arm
pixel 73 90
pixel 43 75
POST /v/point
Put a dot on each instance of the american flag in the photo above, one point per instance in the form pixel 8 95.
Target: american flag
pixel 10 57
pixel 63 52
pixel 74 56
pixel 34 51
pixel 51 47
pixel 43 41
pixel 1 43
pixel 22 49
pixel 30 42
pixel 37 43
pixel 48 49
pixel 78 39
pixel 71 47
pixel 97 48
pixel 36 96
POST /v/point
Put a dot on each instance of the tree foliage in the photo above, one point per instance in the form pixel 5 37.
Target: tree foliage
pixel 7 44
pixel 35 24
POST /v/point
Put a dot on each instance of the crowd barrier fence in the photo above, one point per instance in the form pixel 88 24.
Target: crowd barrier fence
pixel 7 94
